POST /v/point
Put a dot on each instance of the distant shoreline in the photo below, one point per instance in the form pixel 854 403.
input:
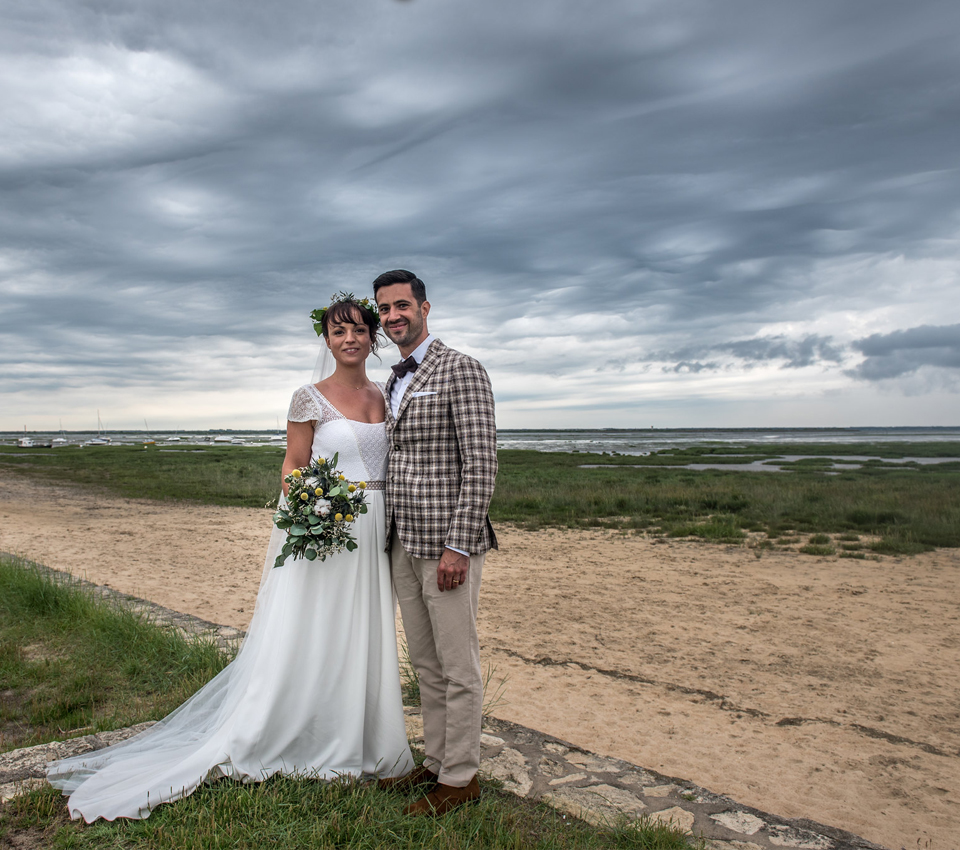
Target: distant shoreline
pixel 623 441
pixel 753 429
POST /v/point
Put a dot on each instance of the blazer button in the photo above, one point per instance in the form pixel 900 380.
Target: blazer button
pixel 396 447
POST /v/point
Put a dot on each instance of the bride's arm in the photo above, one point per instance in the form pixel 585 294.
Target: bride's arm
pixel 299 443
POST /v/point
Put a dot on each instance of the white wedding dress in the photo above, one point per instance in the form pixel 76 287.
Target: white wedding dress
pixel 315 687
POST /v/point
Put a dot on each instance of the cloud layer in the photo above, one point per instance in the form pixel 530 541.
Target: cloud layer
pixel 634 213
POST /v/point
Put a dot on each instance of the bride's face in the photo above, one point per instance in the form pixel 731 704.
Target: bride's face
pixel 349 342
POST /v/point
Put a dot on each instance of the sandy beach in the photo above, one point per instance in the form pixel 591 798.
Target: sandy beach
pixel 812 687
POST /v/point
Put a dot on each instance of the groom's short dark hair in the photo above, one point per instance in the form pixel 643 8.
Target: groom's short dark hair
pixel 402 276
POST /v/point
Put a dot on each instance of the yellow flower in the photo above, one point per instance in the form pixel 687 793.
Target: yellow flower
pixel 318 492
pixel 351 488
pixel 339 517
pixel 349 517
pixel 304 496
pixel 320 461
pixel 343 478
pixel 295 473
pixel 361 484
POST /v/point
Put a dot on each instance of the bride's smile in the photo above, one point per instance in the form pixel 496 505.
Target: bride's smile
pixel 349 342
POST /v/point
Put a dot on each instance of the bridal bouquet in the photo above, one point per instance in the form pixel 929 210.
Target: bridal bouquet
pixel 320 506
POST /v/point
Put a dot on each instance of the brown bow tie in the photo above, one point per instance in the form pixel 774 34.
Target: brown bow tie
pixel 409 365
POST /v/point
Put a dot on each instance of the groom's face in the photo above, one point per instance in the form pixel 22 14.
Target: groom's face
pixel 402 319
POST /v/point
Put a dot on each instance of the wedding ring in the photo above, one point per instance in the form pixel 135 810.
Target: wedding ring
pixel 456 581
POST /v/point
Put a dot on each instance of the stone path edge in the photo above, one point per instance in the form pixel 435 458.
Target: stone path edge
pixel 524 761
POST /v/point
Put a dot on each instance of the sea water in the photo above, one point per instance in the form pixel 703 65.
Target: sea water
pixel 643 442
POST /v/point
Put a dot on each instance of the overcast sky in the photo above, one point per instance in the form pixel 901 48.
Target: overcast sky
pixel 634 213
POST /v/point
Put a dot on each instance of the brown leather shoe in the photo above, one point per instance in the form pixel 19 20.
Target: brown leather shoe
pixel 414 779
pixel 444 798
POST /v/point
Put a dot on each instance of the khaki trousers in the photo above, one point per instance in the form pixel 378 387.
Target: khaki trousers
pixel 441 630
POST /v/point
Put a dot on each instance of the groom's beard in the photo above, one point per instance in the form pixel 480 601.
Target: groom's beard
pixel 406 334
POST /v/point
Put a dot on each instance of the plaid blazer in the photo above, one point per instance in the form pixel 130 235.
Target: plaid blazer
pixel 443 456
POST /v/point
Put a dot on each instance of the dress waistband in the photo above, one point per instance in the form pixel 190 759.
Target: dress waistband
pixel 376 485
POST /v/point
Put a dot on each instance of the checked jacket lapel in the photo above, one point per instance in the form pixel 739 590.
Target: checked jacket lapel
pixel 387 390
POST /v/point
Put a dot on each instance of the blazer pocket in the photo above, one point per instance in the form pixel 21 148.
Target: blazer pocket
pixel 423 393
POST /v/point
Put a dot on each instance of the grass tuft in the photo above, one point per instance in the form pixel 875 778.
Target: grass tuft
pixel 494 686
pixel 817 549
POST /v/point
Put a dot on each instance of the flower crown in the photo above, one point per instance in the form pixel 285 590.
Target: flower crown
pixel 342 298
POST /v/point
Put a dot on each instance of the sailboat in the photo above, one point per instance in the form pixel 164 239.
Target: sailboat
pixel 99 440
pixel 24 442
pixel 60 441
pixel 278 437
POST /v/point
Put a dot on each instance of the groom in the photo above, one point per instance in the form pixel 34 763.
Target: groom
pixel 442 467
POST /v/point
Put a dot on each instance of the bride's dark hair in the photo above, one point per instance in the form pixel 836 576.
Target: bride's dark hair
pixel 350 311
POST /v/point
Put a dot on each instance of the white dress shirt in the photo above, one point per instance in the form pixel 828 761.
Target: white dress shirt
pixel 400 385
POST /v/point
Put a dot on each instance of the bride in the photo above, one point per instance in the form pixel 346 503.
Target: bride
pixel 315 688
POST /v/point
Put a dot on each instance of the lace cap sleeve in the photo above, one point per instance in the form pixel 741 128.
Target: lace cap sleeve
pixel 303 407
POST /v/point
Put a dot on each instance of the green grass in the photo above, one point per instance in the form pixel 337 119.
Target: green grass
pixel 70 658
pixel 911 509
pixel 291 813
pixel 817 549
pixel 73 664
pixel 246 476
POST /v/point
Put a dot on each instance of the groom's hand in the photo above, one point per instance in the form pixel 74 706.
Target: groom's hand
pixel 452 570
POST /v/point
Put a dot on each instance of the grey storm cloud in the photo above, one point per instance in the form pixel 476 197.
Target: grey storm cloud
pixel 796 354
pixel 179 178
pixel 904 352
pixel 810 350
